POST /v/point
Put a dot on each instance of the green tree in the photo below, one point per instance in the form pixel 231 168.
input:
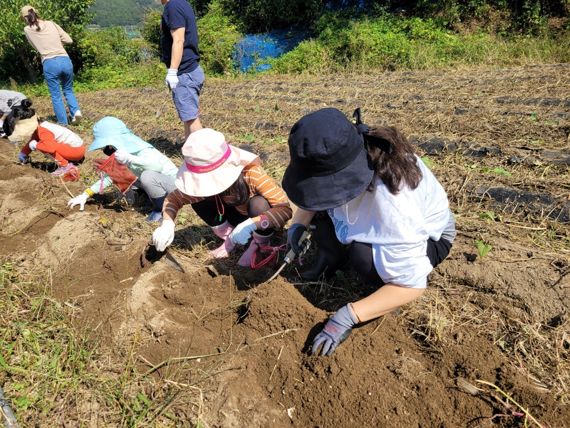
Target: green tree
pixel 260 15
pixel 18 59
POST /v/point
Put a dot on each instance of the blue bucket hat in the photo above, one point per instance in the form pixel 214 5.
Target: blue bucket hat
pixel 329 162
pixel 111 131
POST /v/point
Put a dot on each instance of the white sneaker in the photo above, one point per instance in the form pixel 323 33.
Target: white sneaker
pixel 77 117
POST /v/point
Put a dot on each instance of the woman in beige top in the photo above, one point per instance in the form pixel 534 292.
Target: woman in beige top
pixel 48 39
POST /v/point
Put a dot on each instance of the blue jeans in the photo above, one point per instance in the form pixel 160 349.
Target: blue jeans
pixel 59 71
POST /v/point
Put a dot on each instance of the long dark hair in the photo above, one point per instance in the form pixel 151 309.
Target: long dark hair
pixel 32 18
pixel 21 111
pixel 392 156
pixel 237 193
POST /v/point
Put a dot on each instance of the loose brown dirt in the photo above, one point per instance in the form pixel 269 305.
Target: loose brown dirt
pixel 498 141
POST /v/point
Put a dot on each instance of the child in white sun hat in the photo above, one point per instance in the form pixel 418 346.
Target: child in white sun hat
pixel 230 191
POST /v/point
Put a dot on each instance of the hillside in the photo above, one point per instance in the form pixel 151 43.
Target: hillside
pixel 110 13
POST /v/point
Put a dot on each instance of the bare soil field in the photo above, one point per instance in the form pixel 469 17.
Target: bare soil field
pixel 488 344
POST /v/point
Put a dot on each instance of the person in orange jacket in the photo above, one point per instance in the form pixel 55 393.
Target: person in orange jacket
pixel 56 141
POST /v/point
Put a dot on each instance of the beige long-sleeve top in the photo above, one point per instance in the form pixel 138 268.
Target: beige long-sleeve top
pixel 49 40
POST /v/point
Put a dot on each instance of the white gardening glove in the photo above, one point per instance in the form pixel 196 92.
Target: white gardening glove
pixel 33 144
pixel 163 235
pixel 122 156
pixel 78 200
pixel 172 78
pixel 242 232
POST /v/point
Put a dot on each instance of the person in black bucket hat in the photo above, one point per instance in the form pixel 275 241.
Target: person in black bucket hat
pixel 376 207
pixel 329 164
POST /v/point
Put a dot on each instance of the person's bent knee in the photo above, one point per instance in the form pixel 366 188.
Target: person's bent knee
pixel 147 178
pixel 257 205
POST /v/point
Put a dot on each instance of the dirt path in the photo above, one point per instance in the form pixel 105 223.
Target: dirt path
pixel 502 318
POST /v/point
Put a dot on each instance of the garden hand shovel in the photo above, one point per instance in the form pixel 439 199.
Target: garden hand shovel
pixel 304 245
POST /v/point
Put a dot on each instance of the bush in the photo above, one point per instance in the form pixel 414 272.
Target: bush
pixel 218 36
pixel 151 28
pixel 309 56
pixel 388 42
pixel 17 58
pixel 109 46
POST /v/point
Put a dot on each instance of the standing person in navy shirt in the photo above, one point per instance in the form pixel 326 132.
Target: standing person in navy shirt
pixel 179 51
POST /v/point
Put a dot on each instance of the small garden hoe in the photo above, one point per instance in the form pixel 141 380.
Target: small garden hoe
pixel 150 255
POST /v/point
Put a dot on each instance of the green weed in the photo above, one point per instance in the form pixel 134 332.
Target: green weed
pixel 497 170
pixel 218 36
pixel 427 161
pixel 490 215
pixel 483 248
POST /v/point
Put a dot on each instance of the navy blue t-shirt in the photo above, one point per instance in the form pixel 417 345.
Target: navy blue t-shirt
pixel 179 14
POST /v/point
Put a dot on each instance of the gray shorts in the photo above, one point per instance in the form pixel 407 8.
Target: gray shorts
pixel 186 95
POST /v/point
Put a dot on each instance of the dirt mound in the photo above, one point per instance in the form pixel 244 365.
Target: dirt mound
pixel 380 377
pixel 18 208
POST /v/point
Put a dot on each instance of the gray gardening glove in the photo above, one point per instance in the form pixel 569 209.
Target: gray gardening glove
pixel 336 330
pixel 293 235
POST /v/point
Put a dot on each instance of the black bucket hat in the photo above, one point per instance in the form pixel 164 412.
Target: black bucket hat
pixel 329 162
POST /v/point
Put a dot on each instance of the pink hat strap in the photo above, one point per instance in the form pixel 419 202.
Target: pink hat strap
pixel 200 169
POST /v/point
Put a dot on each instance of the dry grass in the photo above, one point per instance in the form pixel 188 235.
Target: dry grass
pixel 53 375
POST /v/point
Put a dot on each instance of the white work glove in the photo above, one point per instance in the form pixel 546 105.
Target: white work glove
pixel 78 200
pixel 163 235
pixel 242 232
pixel 33 144
pixel 122 156
pixel 172 78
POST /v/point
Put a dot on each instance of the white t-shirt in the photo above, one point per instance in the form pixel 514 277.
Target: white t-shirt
pixel 62 134
pixel 398 227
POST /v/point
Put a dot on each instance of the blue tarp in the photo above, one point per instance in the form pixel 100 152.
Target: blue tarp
pixel 250 51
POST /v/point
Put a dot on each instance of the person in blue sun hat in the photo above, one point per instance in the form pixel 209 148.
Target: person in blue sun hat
pixel 154 171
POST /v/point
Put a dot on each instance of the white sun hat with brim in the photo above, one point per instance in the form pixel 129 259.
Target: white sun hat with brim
pixel 24 130
pixel 211 165
pixel 111 131
pixel 26 10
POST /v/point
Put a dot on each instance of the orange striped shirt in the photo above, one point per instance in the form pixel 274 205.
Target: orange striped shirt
pixel 258 182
